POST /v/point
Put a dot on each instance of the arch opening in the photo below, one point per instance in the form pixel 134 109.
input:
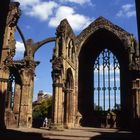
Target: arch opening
pixel 106 73
pixel 106 43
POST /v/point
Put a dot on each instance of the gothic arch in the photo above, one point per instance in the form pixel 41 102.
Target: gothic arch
pixel 101 35
pixel 99 24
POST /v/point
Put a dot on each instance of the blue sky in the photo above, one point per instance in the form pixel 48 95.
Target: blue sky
pixel 40 18
pixel 106 70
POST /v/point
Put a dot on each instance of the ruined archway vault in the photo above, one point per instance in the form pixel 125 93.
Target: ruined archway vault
pixel 71 72
pixel 84 49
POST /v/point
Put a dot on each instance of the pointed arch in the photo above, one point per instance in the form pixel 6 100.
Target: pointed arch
pixel 103 24
pixel 106 72
pixel 104 36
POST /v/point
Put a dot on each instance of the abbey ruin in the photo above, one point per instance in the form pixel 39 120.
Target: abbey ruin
pixel 74 60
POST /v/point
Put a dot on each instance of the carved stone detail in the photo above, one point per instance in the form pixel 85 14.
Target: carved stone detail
pixel 57 65
pixel 101 23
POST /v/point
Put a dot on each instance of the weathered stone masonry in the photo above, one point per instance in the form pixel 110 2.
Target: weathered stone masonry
pixel 69 99
pixel 71 73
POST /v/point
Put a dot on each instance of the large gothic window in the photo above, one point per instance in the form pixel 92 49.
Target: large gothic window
pixel 106 82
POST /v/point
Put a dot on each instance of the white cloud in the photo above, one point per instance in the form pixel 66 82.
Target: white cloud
pixel 42 10
pixel 54 12
pixel 81 2
pixel 77 21
pixel 19 50
pixel 38 8
pixel 26 3
pixel 127 10
pixel 19 46
pixel 127 7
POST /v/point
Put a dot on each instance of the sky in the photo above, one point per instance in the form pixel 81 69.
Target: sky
pixel 39 19
pixel 103 69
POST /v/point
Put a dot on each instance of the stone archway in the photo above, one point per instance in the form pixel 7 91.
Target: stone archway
pixel 100 35
pixel 97 42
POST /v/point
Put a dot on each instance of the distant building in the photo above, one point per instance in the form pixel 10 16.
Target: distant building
pixel 41 97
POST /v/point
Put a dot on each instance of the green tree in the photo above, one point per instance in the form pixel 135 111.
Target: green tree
pixel 41 111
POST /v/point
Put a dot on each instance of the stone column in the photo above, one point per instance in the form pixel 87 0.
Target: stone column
pixel 4 75
pixel 57 112
pixel 69 108
pixel 25 110
pixel 27 83
pixel 17 96
pixel 58 106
